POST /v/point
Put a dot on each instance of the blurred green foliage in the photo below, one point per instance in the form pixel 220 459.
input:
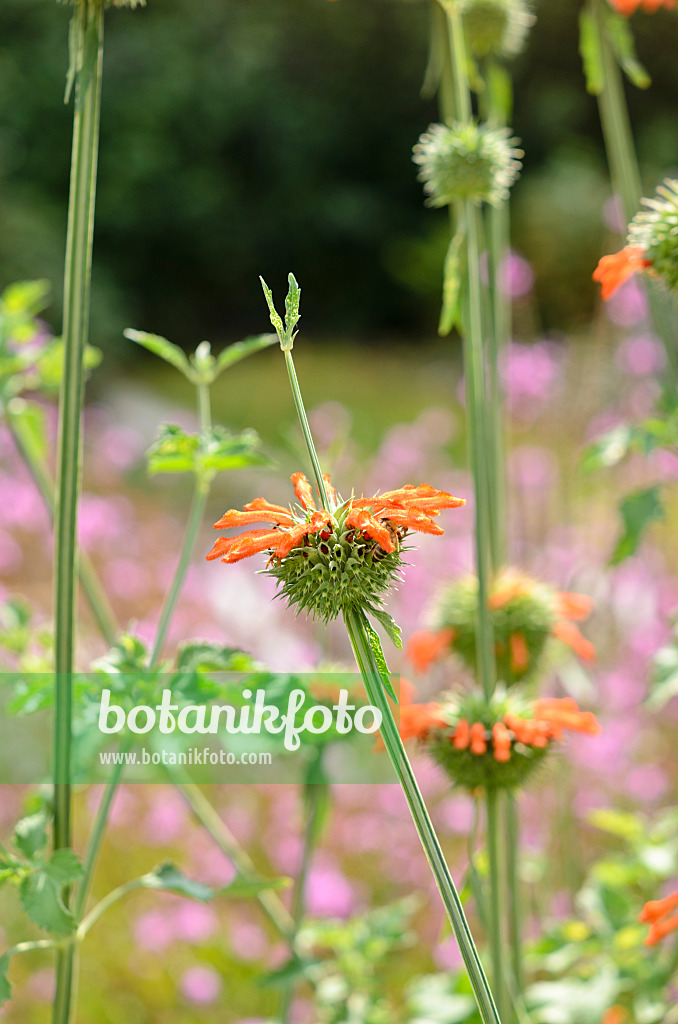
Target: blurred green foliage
pixel 246 138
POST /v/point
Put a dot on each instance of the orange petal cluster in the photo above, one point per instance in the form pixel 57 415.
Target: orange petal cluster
pixel 656 914
pixel 550 717
pixel 613 270
pixel 409 508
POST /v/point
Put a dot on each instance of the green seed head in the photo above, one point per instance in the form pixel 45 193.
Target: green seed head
pixel 655 230
pixel 530 615
pixel 467 161
pixel 495 27
pixel 336 571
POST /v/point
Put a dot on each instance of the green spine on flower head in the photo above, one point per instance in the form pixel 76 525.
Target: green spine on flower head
pixel 655 230
pixel 495 27
pixel 529 615
pixel 482 771
pixel 467 161
pixel 336 571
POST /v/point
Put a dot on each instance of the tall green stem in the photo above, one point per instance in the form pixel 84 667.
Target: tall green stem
pixel 88 32
pixel 625 174
pixel 511 832
pixel 306 430
pixel 496 916
pixel 315 792
pixel 429 840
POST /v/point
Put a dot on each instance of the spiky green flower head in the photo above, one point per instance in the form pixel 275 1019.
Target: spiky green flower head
pixel 479 751
pixel 655 230
pixel 337 570
pixel 525 613
pixel 495 27
pixel 467 161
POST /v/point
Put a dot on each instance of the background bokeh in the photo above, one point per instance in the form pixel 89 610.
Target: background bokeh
pixel 253 138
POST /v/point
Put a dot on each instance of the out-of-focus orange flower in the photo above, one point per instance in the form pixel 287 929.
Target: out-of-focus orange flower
pixel 563 713
pixel 520 655
pixel 425 647
pixel 462 735
pixel 616 1014
pixel 417 720
pixel 613 270
pixel 628 7
pixel 568 633
pixel 656 914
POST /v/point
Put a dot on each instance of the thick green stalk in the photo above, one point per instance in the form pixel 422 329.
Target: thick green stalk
pixel 512 834
pixel 427 834
pixel 88 25
pixel 476 404
pixel 90 582
pixel 496 888
pixel 625 174
pixel 498 247
pixel 229 845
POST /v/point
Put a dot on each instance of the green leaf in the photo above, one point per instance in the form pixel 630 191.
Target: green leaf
pixel 246 886
pixel 29 421
pixel 274 315
pixel 41 893
pixel 241 350
pixel 219 450
pixel 30 835
pixel 375 645
pixel 163 348
pixel 50 364
pixel 292 315
pixel 638 510
pixel 618 823
pixel 5 987
pixel 392 628
pixel 609 449
pixel 168 878
pixel 20 303
pixel 622 41
pixel 63 867
pixel 452 279
pixel 203 656
pixel 173 451
pixel 590 52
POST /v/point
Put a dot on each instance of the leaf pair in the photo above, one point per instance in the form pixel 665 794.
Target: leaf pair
pixel 201 367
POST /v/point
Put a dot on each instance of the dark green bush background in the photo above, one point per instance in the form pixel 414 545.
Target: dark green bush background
pixel 253 136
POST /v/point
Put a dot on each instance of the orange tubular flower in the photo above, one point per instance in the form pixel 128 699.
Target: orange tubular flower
pixel 501 739
pixel 417 720
pixel 612 271
pixel 478 741
pixel 628 7
pixel 568 634
pixel 655 913
pixel 425 647
pixel 564 713
pixel 332 561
